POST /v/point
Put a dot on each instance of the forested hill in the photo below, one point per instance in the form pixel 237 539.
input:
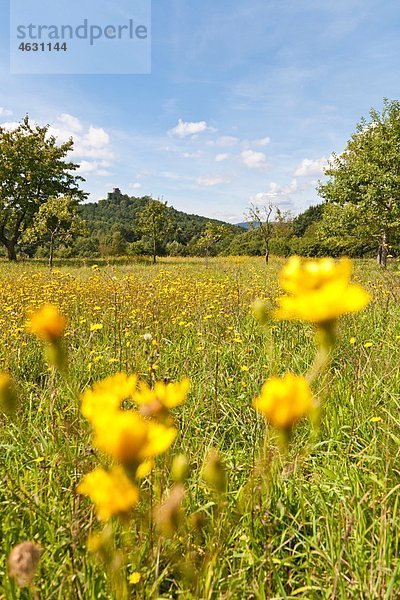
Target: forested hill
pixel 120 212
pixel 112 226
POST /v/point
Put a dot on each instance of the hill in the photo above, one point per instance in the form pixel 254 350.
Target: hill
pixel 112 228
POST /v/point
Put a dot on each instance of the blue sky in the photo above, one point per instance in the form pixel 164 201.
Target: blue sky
pixel 245 102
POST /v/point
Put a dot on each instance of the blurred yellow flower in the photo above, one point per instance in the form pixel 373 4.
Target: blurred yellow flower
pixel 128 437
pixel 284 401
pixel 107 395
pixel 168 395
pixel 96 327
pixel 111 492
pixel 48 324
pixel 318 290
pixel 8 394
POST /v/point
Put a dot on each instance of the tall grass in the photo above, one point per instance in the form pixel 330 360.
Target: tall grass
pixel 321 523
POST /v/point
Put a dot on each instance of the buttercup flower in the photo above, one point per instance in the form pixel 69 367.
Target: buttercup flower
pixel 48 324
pixel 162 397
pixel 107 395
pixel 129 438
pixel 111 492
pixel 319 290
pixel 284 401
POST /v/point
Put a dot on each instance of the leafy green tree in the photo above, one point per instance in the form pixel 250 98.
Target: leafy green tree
pixel 32 170
pixel 311 215
pixel 367 174
pixel 154 223
pixel 212 234
pixel 56 221
pixel 347 229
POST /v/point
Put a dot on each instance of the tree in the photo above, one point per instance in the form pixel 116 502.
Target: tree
pixel 212 234
pixel 154 223
pixel 367 174
pixel 311 215
pixel 259 217
pixel 347 229
pixel 32 170
pixel 56 221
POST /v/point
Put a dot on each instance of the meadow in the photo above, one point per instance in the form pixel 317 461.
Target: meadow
pixel 258 517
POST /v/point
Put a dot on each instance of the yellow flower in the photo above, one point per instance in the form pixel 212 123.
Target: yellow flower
pixel 168 395
pixel 134 578
pixel 284 401
pixel 111 492
pixel 319 290
pixel 128 437
pixel 96 327
pixel 8 395
pixel 48 324
pixel 107 395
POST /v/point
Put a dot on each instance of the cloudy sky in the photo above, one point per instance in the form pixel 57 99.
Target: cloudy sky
pixel 245 101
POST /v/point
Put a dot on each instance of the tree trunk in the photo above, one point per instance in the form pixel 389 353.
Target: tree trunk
pixel 51 255
pixel 11 252
pixel 266 255
pixel 383 250
pixel 154 251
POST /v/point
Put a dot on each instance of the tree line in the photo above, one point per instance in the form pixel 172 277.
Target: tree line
pixel 42 210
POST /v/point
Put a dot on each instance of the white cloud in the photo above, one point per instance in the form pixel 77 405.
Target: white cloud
pixel 70 122
pixel 5 112
pixel 254 160
pixel 276 193
pixel 262 141
pixel 171 175
pixel 135 186
pixel 227 140
pixel 221 157
pixel 94 144
pixel 87 167
pixel 210 180
pixel 184 129
pixel 310 168
pixel 96 137
pixel 9 125
pixel 96 167
pixel 192 154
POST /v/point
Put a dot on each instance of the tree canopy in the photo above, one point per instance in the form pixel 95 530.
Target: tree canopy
pixel 32 170
pixel 56 221
pixel 367 174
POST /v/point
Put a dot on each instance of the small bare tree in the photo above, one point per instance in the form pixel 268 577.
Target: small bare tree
pixel 259 217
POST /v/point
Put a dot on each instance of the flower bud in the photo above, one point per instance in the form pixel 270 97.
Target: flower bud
pixel 180 469
pixel 167 514
pixel 260 310
pixel 8 394
pixel 214 473
pixel 23 562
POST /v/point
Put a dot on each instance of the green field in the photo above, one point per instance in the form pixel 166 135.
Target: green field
pixel 322 521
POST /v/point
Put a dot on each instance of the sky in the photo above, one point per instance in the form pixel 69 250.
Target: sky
pixel 245 102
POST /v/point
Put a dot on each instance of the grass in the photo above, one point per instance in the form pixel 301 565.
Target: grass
pixel 320 523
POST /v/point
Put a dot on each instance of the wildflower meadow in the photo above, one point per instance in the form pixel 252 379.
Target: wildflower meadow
pixel 200 429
